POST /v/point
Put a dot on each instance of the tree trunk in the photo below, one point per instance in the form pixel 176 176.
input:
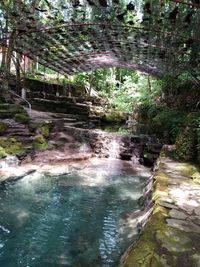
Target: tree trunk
pixel 6 74
pixel 3 61
pixel 18 74
pixel 149 84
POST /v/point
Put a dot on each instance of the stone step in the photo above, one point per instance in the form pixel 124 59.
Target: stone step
pixel 18 133
pixel 16 126
pixel 25 139
pixel 60 106
pixel 17 129
pixel 74 124
pixel 5 114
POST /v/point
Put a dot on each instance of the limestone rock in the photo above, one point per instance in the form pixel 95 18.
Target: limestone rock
pixel 177 214
pixel 183 225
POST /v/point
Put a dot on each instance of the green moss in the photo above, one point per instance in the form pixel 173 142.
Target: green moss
pixel 40 143
pixel 114 116
pixel 22 118
pixel 3 127
pixel 145 252
pixel 11 146
pixel 42 128
pixel 3 154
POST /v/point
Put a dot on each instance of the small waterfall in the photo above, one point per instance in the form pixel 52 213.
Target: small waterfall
pixel 114 149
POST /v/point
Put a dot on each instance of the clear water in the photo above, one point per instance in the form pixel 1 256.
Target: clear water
pixel 74 220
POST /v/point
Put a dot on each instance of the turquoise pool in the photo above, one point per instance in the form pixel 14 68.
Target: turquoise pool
pixel 78 219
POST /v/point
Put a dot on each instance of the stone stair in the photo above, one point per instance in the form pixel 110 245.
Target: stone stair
pixel 19 131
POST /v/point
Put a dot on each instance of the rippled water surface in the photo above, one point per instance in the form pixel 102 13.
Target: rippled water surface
pixel 75 220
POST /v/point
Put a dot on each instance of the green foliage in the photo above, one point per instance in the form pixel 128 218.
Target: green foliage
pixel 162 121
pixel 186 144
pixel 167 123
pixel 187 139
pixel 22 118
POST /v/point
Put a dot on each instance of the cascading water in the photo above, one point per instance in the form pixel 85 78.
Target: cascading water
pixel 81 219
pixel 114 149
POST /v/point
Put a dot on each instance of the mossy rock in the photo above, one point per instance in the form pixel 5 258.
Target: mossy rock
pixel 3 154
pixel 11 146
pixel 42 128
pixel 114 116
pixel 145 252
pixel 40 143
pixel 3 127
pixel 22 118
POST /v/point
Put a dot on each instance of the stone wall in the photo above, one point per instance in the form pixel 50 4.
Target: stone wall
pixel 171 236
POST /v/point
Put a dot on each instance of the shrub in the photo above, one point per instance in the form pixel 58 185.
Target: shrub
pixel 22 118
pixel 187 139
pixel 167 123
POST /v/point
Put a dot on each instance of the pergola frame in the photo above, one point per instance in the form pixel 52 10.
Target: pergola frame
pixel 73 47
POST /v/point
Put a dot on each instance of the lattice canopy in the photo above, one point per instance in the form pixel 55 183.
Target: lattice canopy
pixel 158 37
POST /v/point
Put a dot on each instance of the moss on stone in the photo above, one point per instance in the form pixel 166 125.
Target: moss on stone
pixel 11 146
pixel 3 154
pixel 42 128
pixel 144 252
pixel 173 240
pixel 114 116
pixel 3 127
pixel 40 143
pixel 22 118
